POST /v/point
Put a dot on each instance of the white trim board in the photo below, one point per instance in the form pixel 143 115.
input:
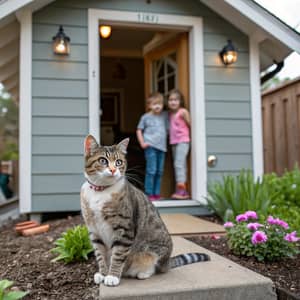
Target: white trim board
pixel 256 115
pixel 25 110
pixel 197 100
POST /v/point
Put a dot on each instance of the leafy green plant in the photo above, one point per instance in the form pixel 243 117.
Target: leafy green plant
pixel 73 245
pixel 236 194
pixel 286 204
pixel 269 240
pixel 6 294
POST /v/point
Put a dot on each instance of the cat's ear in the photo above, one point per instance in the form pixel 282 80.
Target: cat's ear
pixel 123 145
pixel 90 145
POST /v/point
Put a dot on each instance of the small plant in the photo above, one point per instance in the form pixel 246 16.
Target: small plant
pixel 266 240
pixel 236 194
pixel 73 245
pixel 6 294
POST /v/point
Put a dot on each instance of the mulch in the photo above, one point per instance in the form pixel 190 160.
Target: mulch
pixel 27 261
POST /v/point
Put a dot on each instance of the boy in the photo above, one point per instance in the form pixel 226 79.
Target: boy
pixel 152 136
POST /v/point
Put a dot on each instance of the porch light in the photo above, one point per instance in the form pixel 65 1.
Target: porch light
pixel 105 31
pixel 61 42
pixel 228 54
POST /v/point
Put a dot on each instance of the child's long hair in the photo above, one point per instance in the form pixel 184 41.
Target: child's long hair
pixel 179 95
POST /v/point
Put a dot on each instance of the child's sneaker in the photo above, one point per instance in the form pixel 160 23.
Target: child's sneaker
pixel 157 197
pixel 180 195
pixel 181 192
pixel 152 198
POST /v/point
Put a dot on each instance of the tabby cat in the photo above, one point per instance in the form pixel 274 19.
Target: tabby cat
pixel 127 233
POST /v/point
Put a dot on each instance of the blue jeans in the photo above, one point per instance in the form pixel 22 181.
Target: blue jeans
pixel 155 160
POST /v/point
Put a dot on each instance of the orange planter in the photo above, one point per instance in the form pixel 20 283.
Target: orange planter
pixel 25 225
pixel 36 230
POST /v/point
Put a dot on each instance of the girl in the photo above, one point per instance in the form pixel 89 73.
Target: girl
pixel 179 124
pixel 152 136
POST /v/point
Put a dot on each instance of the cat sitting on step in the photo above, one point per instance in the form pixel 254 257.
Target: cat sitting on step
pixel 127 233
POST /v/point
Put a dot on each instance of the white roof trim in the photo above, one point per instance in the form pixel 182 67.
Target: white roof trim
pixel 8 7
pixel 268 22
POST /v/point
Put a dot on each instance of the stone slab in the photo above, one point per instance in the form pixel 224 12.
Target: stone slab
pixel 217 279
pixel 184 224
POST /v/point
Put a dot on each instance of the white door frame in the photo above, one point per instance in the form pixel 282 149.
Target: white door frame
pixel 196 66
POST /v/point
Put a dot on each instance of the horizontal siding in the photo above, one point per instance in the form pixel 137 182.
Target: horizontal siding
pixel 229 144
pixel 63 183
pixel 228 110
pixel 227 92
pixel 57 145
pixel 43 51
pixel 231 162
pixel 60 70
pixel 59 126
pixel 43 33
pixel 218 176
pixel 68 107
pixel 53 88
pixel 49 164
pixel 221 127
pixel 57 202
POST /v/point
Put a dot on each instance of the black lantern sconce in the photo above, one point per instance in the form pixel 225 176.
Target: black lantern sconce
pixel 61 42
pixel 229 54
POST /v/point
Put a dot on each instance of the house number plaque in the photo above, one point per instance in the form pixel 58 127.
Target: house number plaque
pixel 147 18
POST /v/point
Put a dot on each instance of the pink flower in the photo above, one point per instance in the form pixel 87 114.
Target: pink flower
pixel 278 222
pixel 291 237
pixel 254 226
pixel 215 237
pixel 250 214
pixel 241 218
pixel 271 220
pixel 259 237
pixel 228 225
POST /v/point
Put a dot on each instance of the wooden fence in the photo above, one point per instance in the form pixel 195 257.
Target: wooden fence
pixel 281 127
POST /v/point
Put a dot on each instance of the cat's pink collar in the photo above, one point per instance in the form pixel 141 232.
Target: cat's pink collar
pixel 98 188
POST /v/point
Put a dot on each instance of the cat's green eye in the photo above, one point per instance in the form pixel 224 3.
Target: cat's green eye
pixel 103 161
pixel 118 162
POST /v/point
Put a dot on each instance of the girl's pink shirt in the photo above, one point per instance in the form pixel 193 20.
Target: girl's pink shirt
pixel 179 130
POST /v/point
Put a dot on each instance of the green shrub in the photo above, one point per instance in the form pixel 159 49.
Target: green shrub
pixel 269 240
pixel 6 294
pixel 236 194
pixel 286 204
pixel 73 245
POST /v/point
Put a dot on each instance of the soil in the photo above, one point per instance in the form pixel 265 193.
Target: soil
pixel 27 262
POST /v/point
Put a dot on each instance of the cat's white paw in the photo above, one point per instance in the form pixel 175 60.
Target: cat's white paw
pixel 111 280
pixel 144 275
pixel 98 278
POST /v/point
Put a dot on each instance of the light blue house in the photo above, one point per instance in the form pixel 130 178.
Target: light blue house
pixel 100 86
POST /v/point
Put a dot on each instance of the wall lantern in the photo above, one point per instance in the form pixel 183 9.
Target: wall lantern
pixel 105 31
pixel 61 42
pixel 228 54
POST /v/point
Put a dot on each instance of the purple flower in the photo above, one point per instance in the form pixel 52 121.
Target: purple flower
pixel 291 237
pixel 259 237
pixel 228 225
pixel 250 214
pixel 254 226
pixel 241 218
pixel 278 222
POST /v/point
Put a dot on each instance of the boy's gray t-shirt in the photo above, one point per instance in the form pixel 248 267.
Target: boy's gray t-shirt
pixel 154 129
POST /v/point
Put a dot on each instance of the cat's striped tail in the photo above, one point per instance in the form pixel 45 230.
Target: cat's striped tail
pixel 186 259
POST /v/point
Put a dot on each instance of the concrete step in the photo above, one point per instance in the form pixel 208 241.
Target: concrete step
pixel 218 279
pixel 184 224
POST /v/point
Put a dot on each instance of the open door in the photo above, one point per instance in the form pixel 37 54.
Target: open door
pixel 166 63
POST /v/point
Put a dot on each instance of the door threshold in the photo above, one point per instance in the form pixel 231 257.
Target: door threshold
pixel 175 203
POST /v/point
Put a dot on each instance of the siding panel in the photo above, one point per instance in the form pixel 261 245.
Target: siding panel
pixel 59 126
pixel 228 127
pixel 228 110
pixel 60 70
pixel 241 145
pixel 49 164
pixel 67 107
